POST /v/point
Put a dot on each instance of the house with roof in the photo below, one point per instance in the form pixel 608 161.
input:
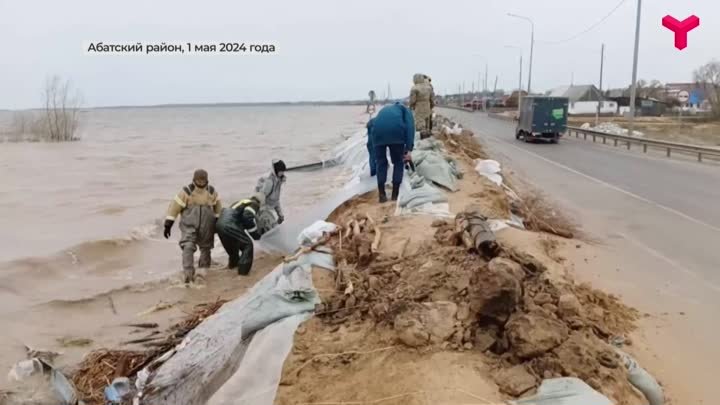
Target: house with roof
pixel 644 106
pixel 584 100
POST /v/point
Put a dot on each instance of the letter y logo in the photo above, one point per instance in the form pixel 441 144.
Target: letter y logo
pixel 681 28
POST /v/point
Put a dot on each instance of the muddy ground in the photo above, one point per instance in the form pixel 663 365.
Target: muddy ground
pixel 424 321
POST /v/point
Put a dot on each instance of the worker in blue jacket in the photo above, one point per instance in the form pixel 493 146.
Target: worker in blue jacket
pixel 393 129
pixel 371 148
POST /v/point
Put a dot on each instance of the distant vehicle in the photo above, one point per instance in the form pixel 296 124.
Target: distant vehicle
pixel 543 118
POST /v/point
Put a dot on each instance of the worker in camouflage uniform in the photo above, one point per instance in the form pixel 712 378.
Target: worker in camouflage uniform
pixel 422 101
pixel 237 227
pixel 199 206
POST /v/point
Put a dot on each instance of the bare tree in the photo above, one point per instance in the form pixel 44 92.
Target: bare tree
pixel 62 110
pixel 650 89
pixel 707 77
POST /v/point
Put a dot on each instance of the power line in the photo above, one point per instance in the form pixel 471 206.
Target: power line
pixel 592 27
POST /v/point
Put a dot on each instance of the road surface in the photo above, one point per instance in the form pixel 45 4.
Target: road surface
pixel 661 220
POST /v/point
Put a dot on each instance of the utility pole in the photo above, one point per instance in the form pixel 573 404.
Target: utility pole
pixel 495 86
pixel 572 78
pixel 520 86
pixel 633 90
pixel 532 46
pixel 602 61
pixel 486 79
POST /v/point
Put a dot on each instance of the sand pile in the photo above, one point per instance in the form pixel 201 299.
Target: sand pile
pixel 443 298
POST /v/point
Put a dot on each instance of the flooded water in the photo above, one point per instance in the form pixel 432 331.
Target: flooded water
pixel 84 217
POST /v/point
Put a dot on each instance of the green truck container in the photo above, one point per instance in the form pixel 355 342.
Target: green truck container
pixel 542 118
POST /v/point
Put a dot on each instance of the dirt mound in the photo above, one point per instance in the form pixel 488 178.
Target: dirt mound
pixel 445 298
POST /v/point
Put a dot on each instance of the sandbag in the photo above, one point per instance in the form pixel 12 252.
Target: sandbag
pixel 314 232
pixel 642 380
pixel 489 169
pixel 564 391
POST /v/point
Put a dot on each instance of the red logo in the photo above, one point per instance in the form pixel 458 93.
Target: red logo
pixel 681 28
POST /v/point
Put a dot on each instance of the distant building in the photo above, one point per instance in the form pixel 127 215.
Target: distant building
pixel 695 92
pixel 644 106
pixel 512 99
pixel 584 99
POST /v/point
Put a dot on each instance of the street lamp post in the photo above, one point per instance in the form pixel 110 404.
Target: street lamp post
pixel 633 90
pixel 532 46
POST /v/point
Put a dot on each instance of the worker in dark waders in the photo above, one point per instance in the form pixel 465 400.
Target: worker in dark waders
pixel 198 205
pixel 393 130
pixel 237 227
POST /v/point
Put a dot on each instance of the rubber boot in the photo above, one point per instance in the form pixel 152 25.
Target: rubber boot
pixel 382 195
pixel 395 192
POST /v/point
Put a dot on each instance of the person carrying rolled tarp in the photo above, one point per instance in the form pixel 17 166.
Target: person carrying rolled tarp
pixel 393 129
pixel 198 205
pixel 237 228
pixel 270 186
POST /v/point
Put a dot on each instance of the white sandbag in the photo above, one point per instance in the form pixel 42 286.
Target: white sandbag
pixel 490 169
pixel 564 391
pixel 642 380
pixel 314 232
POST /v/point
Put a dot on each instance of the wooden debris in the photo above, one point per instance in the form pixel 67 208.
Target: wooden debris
pixel 146 325
pixel 307 249
pixel 404 247
pixel 112 305
pixel 100 367
pixel 160 306
pixel 378 235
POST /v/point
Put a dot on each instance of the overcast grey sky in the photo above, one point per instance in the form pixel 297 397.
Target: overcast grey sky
pixel 333 49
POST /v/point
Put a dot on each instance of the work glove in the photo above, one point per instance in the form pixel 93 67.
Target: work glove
pixel 281 219
pixel 168 226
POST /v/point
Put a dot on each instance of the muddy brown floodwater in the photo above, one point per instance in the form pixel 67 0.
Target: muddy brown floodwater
pixel 81 219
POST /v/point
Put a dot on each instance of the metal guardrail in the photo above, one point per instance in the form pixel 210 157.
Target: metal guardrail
pixel 645 143
pixel 628 141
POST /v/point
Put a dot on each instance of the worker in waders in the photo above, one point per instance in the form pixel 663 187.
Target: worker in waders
pixel 237 227
pixel 198 205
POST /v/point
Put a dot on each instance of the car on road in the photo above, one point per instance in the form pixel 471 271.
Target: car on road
pixel 542 118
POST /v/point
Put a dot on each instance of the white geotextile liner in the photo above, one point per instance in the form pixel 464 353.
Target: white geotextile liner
pixel 256 380
pixel 212 352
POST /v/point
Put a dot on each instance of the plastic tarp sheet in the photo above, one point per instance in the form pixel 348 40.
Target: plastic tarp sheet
pixel 256 380
pixel 564 391
pixel 285 292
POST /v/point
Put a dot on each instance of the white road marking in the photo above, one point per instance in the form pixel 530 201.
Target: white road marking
pixel 618 189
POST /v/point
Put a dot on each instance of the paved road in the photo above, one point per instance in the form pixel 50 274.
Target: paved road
pixel 661 217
